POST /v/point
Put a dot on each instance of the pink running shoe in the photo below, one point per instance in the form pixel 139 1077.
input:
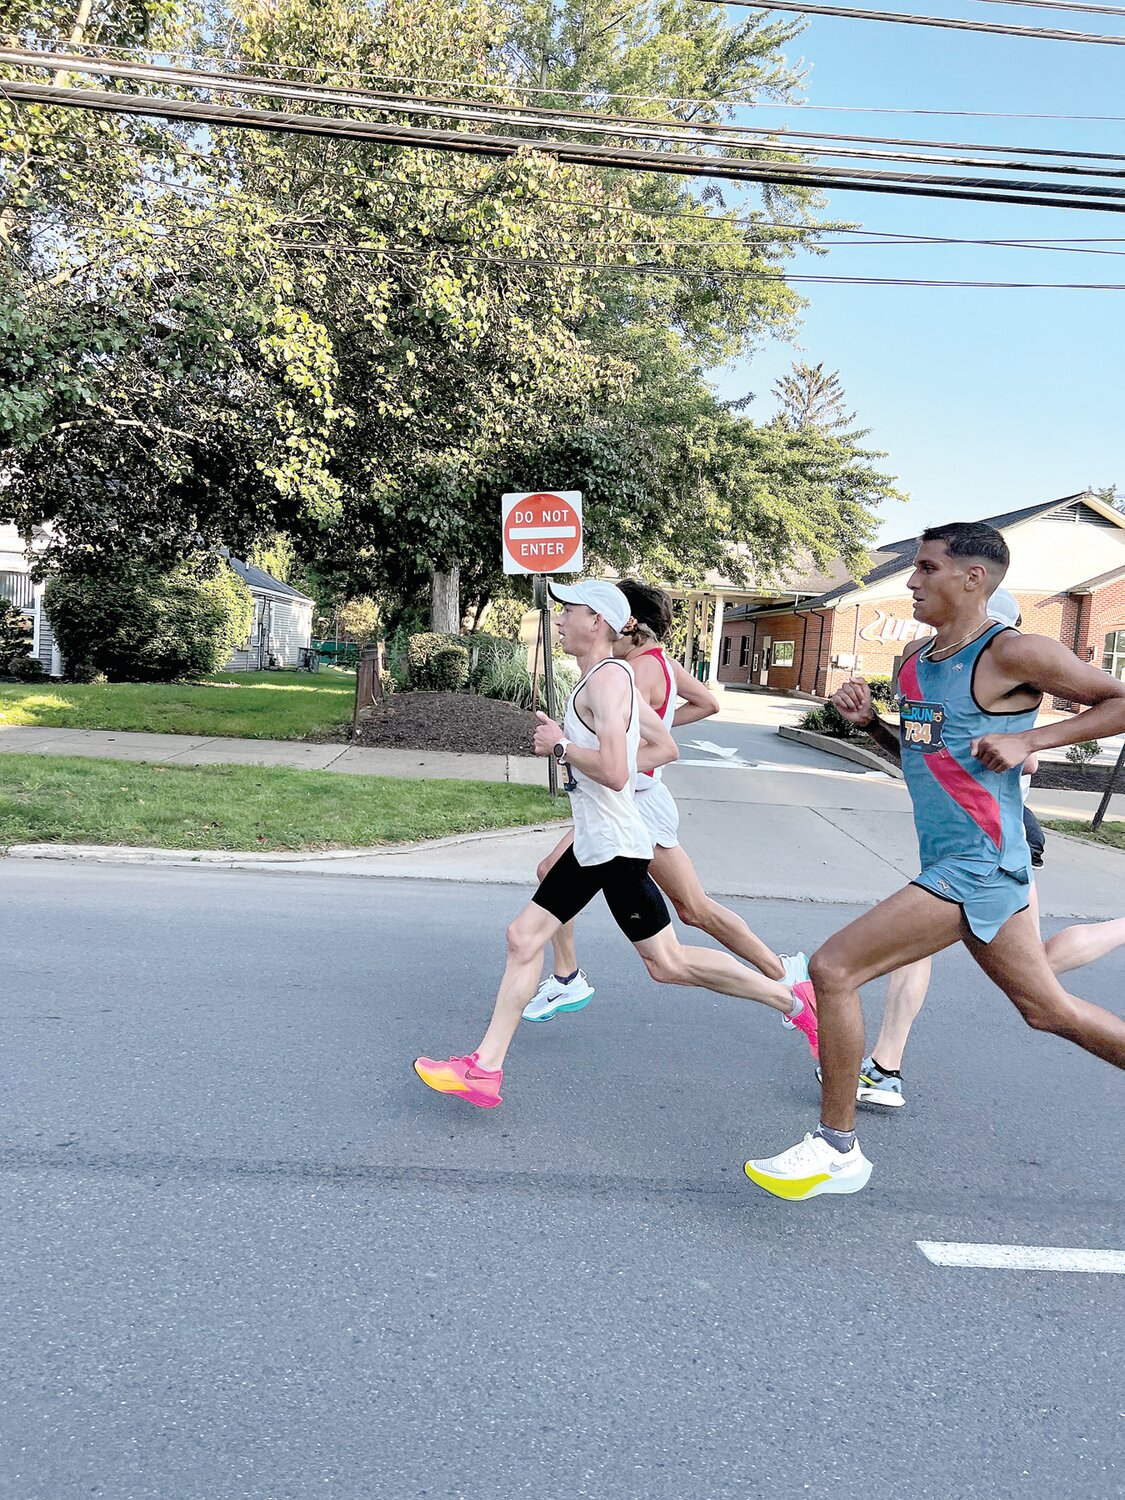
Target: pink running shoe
pixel 464 1077
pixel 806 1021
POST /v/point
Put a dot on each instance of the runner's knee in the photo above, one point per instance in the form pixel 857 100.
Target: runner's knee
pixel 542 867
pixel 828 970
pixel 1053 1013
pixel 666 968
pixel 693 913
pixel 522 946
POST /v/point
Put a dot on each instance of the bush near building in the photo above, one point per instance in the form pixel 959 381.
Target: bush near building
pixel 134 622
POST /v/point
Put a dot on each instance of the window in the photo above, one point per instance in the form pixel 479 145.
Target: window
pixel 1113 658
pixel 19 588
pixel 744 651
pixel 783 654
pixel 726 652
pixel 256 627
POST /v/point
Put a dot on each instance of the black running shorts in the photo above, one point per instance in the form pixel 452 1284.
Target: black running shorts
pixel 630 892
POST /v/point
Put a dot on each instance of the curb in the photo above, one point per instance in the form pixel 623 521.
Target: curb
pixel 842 749
pixel 129 854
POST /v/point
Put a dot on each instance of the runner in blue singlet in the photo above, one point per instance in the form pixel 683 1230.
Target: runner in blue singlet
pixel 967 698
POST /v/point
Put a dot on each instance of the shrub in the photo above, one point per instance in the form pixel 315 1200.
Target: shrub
pixel 1083 753
pixel 437 662
pixel 882 693
pixel 481 647
pixel 26 669
pixel 826 720
pixel 133 621
pixel 506 615
pixel 15 638
pixel 509 677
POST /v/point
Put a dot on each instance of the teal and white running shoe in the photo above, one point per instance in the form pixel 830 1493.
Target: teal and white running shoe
pixel 875 1086
pixel 552 998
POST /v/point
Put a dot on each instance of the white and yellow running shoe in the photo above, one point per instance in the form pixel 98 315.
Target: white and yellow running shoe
pixel 810 1168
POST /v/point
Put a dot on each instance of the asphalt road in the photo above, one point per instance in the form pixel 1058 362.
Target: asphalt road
pixel 245 1255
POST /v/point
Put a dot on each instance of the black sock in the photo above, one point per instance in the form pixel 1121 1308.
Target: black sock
pixel 889 1072
pixel 839 1140
pixel 566 978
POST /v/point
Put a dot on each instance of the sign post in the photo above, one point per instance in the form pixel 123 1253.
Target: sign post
pixel 542 535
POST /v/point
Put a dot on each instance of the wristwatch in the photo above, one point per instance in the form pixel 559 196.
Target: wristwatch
pixel 559 750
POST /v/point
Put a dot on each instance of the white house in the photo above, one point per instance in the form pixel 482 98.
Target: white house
pixel 282 615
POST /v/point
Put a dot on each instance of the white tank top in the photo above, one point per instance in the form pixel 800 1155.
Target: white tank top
pixel 666 712
pixel 607 824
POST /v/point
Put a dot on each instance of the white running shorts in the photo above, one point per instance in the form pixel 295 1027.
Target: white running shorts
pixel 659 814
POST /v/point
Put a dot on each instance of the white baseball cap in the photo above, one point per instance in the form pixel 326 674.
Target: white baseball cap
pixel 1003 608
pixel 605 599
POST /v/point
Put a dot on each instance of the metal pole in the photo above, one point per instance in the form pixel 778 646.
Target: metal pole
pixel 1103 805
pixel 548 674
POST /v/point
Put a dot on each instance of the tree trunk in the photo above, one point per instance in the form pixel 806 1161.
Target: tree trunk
pixel 445 600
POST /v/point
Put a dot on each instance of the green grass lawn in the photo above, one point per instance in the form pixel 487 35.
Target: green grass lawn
pixel 66 799
pixel 1109 833
pixel 245 705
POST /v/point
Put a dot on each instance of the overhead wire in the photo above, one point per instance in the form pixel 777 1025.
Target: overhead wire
pixel 735 169
pixel 518 86
pixel 580 121
pixel 906 18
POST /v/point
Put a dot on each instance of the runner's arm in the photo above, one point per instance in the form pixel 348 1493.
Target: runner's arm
pixel 699 702
pixel 657 747
pixel 853 702
pixel 606 699
pixel 1048 667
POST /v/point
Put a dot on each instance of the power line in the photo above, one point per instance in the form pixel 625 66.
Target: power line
pixel 695 133
pixel 579 153
pixel 511 86
pixel 904 18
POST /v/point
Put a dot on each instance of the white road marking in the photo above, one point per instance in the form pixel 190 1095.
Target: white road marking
pixel 711 748
pixel 1022 1257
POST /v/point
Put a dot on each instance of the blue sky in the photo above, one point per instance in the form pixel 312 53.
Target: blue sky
pixel 984 400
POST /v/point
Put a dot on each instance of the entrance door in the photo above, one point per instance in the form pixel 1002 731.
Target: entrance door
pixel 764 674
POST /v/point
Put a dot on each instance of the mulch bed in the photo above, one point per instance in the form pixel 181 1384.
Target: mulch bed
pixel 462 722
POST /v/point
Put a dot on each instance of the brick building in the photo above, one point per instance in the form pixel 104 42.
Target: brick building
pixel 1067 571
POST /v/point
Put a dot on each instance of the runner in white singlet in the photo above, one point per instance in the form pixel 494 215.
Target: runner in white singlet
pixel 676 698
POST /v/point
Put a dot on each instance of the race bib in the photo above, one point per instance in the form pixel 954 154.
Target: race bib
pixel 921 726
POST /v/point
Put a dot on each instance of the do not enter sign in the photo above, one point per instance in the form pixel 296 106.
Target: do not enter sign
pixel 543 532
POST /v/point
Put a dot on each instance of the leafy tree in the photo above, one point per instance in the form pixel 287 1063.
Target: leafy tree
pixel 361 619
pixel 811 396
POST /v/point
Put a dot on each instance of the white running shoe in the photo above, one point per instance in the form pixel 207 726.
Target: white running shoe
pixel 553 996
pixel 810 1168
pixel 796 967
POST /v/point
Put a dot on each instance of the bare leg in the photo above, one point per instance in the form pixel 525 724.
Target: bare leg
pixel 906 990
pixel 675 874
pixel 910 925
pixel 670 962
pixel 1075 946
pixel 528 937
pixel 1017 962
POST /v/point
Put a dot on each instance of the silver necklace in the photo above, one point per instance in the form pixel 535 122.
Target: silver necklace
pixel 949 650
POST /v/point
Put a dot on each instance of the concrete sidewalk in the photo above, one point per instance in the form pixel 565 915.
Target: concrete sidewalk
pixel 788 833
pixel 202 750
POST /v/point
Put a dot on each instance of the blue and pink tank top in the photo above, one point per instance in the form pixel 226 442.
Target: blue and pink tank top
pixel 962 810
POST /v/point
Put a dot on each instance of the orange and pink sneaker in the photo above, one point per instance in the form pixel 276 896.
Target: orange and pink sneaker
pixel 806 1021
pixel 462 1076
